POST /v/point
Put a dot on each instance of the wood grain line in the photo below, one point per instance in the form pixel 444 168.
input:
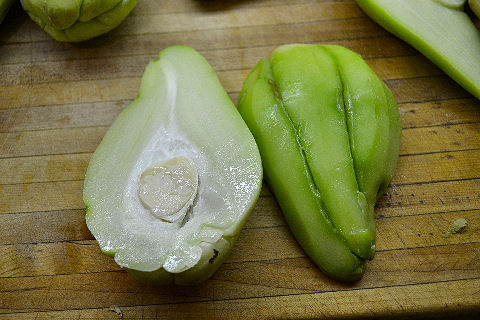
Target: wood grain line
pixel 407 68
pixel 263 298
pixel 397 184
pixel 436 152
pixel 86 139
pixel 107 126
pixel 398 200
pixel 206 51
pixel 419 230
pixel 226 263
pixel 114 38
pixel 404 91
pixel 125 30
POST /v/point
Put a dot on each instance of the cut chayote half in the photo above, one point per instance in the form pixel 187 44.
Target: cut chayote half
pixel 170 186
pixel 439 29
pixel 78 20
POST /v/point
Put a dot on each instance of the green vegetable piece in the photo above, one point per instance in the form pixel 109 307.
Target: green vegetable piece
pixel 78 20
pixel 452 4
pixel 475 6
pixel 4 7
pixel 456 227
pixel 328 131
pixel 174 179
pixel 439 29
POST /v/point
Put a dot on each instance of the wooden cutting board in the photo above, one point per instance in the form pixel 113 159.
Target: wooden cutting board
pixel 57 101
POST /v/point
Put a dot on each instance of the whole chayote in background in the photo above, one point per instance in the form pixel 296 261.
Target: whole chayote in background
pixel 78 20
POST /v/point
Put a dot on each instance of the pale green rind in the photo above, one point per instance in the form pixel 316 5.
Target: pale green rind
pixel 180 98
pixel 373 124
pixel 444 35
pixel 290 179
pixel 310 89
pixel 4 7
pixel 78 20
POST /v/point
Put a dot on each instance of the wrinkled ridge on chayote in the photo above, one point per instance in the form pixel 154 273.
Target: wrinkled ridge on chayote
pixel 78 20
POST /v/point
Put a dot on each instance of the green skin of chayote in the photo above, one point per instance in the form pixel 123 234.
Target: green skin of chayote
pixel 328 131
pixel 4 7
pixel 78 20
pixel 475 6
pixel 439 29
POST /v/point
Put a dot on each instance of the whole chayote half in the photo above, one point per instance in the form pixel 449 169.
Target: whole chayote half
pixel 78 20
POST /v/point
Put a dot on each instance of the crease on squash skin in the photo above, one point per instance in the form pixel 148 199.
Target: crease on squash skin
pixel 42 23
pixel 375 162
pixel 368 212
pixel 308 171
pixel 356 232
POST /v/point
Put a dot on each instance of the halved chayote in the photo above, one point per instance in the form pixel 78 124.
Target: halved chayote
pixel 174 179
pixel 78 20
pixel 328 131
pixel 439 29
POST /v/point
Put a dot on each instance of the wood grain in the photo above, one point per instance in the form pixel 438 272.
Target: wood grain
pixel 57 100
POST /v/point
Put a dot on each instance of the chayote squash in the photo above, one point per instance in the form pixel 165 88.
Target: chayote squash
pixel 328 131
pixel 173 181
pixel 439 29
pixel 78 20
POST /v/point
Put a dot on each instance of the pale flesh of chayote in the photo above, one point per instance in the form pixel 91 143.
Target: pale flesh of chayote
pixel 174 179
